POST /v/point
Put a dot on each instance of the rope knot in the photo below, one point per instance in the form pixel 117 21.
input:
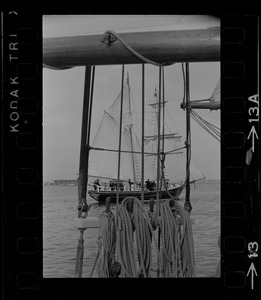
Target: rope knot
pixel 188 206
pixel 153 220
pixel 115 269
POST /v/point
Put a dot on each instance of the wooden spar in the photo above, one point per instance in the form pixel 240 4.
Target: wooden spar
pixel 83 165
pixel 208 104
pixel 201 45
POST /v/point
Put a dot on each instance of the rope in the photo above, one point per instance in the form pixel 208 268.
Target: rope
pixel 133 219
pixel 184 85
pixel 119 145
pixel 177 241
pixel 186 242
pixel 135 233
pixel 105 258
pixel 210 128
pixel 134 52
pixel 143 133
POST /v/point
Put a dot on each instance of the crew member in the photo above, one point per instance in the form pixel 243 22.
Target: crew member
pixel 148 185
pixel 96 184
pixel 130 183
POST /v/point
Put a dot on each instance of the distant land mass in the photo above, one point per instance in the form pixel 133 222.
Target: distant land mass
pixel 75 181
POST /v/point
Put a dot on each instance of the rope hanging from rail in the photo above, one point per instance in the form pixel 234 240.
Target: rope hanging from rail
pixel 105 259
pixel 177 241
pixel 134 239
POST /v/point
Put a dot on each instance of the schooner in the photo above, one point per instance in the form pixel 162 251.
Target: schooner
pixel 104 154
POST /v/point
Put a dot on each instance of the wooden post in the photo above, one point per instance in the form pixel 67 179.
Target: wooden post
pixel 83 165
pixel 84 151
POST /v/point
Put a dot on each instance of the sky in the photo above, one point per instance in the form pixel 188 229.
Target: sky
pixel 63 92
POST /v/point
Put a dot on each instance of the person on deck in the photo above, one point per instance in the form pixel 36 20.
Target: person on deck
pixel 112 186
pixel 148 185
pixel 153 186
pixel 130 183
pixel 96 184
pixel 121 186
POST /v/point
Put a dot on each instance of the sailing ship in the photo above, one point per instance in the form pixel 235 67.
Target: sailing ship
pixel 103 159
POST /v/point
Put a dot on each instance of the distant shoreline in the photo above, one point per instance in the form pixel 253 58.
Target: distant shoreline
pixel 74 182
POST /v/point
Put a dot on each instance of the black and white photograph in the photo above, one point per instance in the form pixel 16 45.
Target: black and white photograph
pixel 131 146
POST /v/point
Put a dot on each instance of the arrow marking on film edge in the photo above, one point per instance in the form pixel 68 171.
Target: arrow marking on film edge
pixel 252 270
pixel 253 133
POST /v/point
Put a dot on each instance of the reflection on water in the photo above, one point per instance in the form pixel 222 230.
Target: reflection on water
pixel 60 237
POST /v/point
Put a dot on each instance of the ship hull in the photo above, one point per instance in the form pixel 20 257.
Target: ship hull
pixel 101 196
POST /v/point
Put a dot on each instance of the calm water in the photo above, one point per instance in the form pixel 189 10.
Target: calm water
pixel 60 237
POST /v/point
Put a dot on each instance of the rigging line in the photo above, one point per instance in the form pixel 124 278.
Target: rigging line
pixel 205 123
pixel 201 120
pixel 185 94
pixel 136 152
pixel 205 128
pixel 174 150
pixel 163 127
pixel 214 126
pixel 91 103
pixel 143 133
pixel 184 84
pixel 158 167
pixel 131 136
pixel 188 140
pixel 134 52
pixel 159 131
pixel 119 153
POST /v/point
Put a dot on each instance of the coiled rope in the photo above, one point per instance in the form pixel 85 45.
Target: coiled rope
pixel 135 233
pixel 177 253
pixel 186 241
pixel 105 259
pixel 134 239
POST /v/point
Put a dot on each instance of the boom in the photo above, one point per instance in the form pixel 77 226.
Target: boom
pixel 202 45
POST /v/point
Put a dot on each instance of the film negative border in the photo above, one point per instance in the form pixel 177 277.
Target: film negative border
pixel 22 153
pixel 22 165
pixel 240 158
